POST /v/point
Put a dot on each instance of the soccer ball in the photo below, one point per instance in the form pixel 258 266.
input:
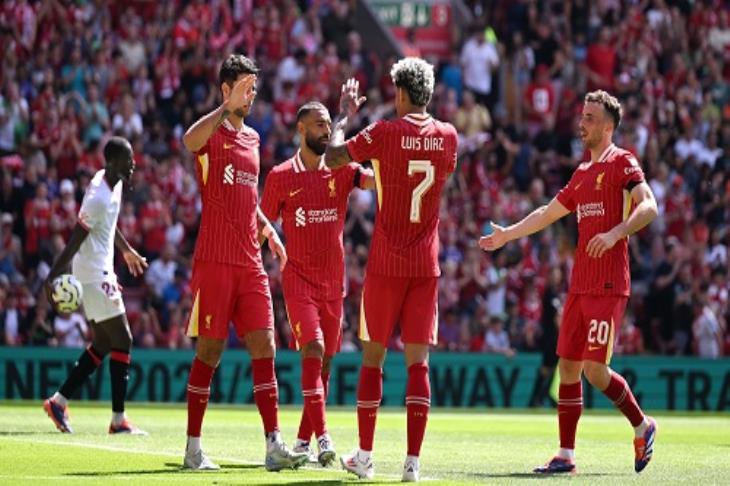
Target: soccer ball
pixel 67 293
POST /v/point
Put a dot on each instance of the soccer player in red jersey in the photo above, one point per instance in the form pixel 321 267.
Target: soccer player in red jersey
pixel 311 199
pixel 600 192
pixel 228 282
pixel 413 156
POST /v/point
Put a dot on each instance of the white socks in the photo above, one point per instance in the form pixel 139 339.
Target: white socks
pixel 566 454
pixel 118 417
pixel 364 456
pixel 193 444
pixel 641 428
pixel 60 399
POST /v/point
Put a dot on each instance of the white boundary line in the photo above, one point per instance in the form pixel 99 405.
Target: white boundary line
pixel 163 454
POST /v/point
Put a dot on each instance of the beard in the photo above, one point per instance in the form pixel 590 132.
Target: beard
pixel 317 145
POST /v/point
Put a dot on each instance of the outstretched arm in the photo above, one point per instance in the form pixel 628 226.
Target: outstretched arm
pixel 199 132
pixel 644 213
pixel 336 154
pixel 532 223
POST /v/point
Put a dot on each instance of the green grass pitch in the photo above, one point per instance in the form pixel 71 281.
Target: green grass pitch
pixel 462 447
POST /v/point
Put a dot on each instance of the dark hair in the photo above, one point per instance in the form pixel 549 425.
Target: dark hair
pixel 610 104
pixel 234 66
pixel 309 107
pixel 117 149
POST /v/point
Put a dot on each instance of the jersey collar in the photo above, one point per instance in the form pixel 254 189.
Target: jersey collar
pixel 229 126
pixel 606 153
pixel 298 164
pixel 418 119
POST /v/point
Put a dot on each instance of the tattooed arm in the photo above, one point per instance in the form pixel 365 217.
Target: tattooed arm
pixel 198 134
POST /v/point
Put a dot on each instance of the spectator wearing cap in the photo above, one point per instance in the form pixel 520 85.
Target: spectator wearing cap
pixel 65 210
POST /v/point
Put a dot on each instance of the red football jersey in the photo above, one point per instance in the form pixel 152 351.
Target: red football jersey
pixel 412 157
pixel 228 172
pixel 312 205
pixel 599 194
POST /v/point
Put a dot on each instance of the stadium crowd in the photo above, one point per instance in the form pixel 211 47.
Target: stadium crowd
pixel 75 72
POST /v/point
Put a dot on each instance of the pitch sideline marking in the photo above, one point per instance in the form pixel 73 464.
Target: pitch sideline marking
pixel 168 454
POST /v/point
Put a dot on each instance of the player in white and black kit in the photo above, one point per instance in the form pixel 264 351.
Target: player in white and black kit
pixel 91 246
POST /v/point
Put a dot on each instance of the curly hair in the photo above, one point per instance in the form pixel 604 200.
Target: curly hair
pixel 416 77
pixel 610 104
pixel 234 66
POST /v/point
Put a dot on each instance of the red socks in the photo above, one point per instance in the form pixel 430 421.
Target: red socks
pixel 418 402
pixel 314 395
pixel 305 425
pixel 369 393
pixel 266 392
pixel 198 392
pixel 619 393
pixel 570 406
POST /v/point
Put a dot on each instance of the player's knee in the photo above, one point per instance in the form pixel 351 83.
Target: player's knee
pixel 209 351
pixel 595 372
pixel 313 349
pixel 261 344
pixel 570 371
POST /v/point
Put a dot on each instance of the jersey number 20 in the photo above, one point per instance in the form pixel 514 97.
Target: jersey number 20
pixel 420 167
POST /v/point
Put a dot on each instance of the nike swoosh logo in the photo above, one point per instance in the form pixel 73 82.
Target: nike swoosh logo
pixel 578 185
pixel 228 145
pixel 593 348
pixel 294 193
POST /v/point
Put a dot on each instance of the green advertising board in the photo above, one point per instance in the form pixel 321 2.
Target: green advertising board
pixel 457 379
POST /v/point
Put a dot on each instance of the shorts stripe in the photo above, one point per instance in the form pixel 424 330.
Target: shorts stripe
pixel 192 330
pixel 363 331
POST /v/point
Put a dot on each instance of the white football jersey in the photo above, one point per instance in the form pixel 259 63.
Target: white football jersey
pixel 94 262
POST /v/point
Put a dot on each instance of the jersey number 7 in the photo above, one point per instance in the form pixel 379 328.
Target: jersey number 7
pixel 418 167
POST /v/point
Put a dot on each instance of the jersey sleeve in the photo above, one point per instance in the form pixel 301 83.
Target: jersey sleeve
pixel 566 196
pixel 368 142
pixel 271 200
pixel 630 172
pixel 452 153
pixel 91 212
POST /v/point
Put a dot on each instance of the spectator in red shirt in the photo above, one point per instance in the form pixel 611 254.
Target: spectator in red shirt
pixel 539 105
pixel 601 62
pixel 37 216
pixel 65 211
pixel 155 216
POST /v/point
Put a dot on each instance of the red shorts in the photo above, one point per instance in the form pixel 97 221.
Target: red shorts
pixel 589 325
pixel 224 293
pixel 312 319
pixel 410 301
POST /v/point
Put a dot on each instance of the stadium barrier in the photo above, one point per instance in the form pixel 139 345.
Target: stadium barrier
pixel 457 379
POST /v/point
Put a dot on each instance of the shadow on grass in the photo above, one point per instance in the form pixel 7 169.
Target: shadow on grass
pixel 11 433
pixel 529 475
pixel 171 468
pixel 312 481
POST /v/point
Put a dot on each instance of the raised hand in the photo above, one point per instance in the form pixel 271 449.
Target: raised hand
pixel 241 94
pixel 350 100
